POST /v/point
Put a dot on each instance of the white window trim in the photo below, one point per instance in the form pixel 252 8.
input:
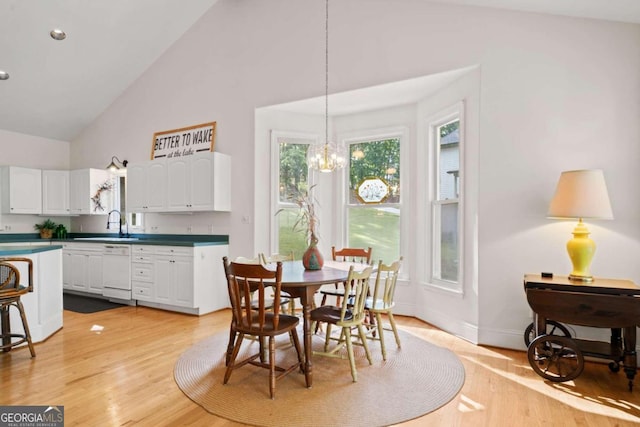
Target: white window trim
pixel 432 123
pixel 276 135
pixel 342 198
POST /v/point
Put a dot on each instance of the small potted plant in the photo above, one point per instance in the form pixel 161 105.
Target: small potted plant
pixel 46 228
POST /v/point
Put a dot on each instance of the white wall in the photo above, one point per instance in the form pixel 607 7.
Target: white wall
pixel 556 93
pixel 32 152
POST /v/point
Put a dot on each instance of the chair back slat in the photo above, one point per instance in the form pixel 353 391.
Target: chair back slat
pixel 247 285
pixel 360 255
pixel 357 286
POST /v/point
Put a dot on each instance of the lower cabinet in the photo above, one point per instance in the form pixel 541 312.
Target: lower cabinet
pixel 82 268
pixel 188 279
pixel 174 280
pixel 180 278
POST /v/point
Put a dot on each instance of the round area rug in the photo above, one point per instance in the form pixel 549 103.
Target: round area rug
pixel 413 381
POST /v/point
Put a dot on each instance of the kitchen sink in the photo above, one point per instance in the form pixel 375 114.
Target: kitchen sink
pixel 109 239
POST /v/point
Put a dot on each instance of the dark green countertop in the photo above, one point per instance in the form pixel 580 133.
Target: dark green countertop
pixel 25 250
pixel 141 239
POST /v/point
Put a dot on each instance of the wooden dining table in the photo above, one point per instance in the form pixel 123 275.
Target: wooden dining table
pixel 303 284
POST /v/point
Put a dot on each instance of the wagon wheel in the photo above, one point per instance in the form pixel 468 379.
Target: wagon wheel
pixel 553 328
pixel 555 358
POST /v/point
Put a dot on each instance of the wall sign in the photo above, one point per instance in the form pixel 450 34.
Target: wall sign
pixel 184 141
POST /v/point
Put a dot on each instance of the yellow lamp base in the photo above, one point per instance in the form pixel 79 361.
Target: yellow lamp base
pixel 581 250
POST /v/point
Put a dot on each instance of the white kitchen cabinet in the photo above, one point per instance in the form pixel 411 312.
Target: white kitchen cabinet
pixel 82 267
pixel 55 192
pixel 142 272
pixel 21 190
pixel 85 197
pixel 180 278
pixel 94 277
pixel 67 270
pixel 146 182
pixel 178 184
pixel 199 183
pixel 173 271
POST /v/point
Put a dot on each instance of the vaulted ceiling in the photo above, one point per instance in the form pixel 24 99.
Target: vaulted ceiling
pixel 57 88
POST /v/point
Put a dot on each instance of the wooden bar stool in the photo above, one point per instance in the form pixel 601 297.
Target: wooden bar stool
pixel 10 292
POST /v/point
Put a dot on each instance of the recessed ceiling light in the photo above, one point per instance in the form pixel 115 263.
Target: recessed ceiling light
pixel 58 34
pixel 4 75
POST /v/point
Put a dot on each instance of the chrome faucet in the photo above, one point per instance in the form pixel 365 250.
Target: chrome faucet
pixel 109 222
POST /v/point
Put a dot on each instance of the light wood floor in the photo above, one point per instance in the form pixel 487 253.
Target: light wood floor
pixel 123 376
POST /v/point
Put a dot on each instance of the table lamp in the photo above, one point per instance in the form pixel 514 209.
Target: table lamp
pixel 581 194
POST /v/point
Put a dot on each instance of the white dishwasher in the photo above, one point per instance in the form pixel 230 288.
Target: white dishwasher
pixel 116 272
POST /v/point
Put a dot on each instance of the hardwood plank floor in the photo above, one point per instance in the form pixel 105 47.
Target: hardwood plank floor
pixel 122 375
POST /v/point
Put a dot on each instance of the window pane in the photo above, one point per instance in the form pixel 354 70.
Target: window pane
pixel 293 170
pixel 378 228
pixel 135 219
pixel 449 160
pixel 379 159
pixel 288 239
pixel 447 257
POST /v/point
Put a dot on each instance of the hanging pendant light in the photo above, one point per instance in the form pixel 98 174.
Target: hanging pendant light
pixel 329 156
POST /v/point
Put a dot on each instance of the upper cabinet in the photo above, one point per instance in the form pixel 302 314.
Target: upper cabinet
pixel 193 183
pixel 21 190
pixel 145 186
pixel 91 192
pixel 55 192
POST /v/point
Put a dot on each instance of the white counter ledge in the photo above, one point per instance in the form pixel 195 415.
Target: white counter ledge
pixel 43 306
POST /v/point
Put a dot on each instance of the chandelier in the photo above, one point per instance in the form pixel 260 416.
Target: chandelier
pixel 329 156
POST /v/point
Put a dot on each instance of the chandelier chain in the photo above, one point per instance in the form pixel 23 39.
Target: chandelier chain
pixel 327 156
pixel 326 73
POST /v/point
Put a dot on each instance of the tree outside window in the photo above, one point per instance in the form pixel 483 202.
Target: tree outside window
pixel 293 180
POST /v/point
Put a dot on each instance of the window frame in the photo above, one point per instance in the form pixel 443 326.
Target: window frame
pixel 445 116
pixel 342 196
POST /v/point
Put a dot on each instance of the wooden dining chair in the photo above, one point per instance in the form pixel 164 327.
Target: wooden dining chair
pixel 10 292
pixel 381 302
pixel 350 314
pixel 285 298
pixel 232 333
pixel 259 321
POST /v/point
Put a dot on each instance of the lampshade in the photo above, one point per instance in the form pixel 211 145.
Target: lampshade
pixel 581 194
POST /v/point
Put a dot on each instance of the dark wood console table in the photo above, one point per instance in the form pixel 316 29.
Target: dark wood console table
pixel 603 303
